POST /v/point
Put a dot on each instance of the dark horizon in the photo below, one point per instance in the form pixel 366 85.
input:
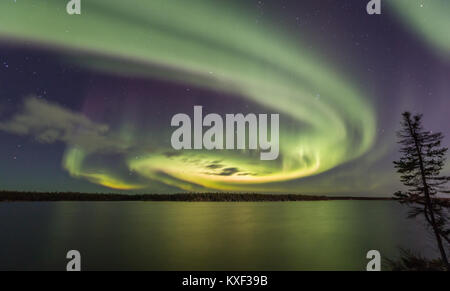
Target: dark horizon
pixel 15 196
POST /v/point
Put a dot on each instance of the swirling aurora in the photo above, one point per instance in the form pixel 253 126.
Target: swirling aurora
pixel 328 120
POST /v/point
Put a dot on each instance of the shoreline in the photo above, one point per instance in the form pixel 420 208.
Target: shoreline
pixel 12 196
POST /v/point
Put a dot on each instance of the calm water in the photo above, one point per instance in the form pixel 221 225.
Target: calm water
pixel 325 235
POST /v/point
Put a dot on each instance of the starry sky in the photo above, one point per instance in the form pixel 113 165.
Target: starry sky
pixel 86 100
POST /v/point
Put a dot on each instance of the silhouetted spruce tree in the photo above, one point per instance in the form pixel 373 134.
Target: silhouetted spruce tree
pixel 420 165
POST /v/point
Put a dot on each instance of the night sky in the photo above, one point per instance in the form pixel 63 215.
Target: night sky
pixel 86 100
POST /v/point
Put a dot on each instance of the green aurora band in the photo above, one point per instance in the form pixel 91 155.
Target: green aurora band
pixel 428 19
pixel 217 47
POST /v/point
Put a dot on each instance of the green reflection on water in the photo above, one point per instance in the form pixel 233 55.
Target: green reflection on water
pixel 325 235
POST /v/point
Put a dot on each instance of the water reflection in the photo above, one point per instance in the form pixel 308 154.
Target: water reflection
pixel 325 235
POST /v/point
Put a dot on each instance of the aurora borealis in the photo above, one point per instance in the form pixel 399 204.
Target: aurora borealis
pixel 86 101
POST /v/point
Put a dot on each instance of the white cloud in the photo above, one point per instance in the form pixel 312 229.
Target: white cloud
pixel 49 123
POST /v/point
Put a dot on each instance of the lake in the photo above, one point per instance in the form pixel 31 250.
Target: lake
pixel 316 235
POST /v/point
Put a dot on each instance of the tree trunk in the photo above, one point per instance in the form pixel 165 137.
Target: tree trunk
pixel 428 198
